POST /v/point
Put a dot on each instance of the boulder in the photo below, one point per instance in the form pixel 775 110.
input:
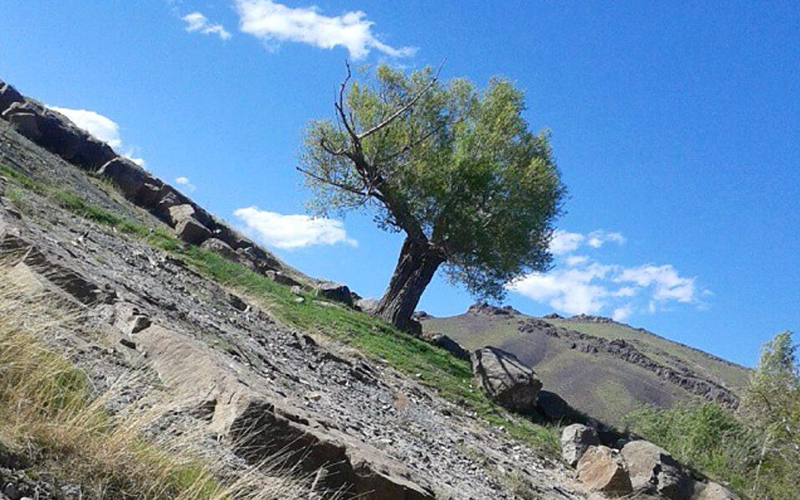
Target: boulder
pixel 335 292
pixel 58 134
pixel 126 175
pixel 450 346
pixel 505 379
pixel 367 305
pixel 221 248
pixel 8 96
pixel 282 278
pixel 653 468
pixel 575 440
pixel 712 491
pixel 555 408
pixel 601 469
pixel 178 213
pixel 191 231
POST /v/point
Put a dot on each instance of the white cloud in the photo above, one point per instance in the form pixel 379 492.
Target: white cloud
pixel 185 182
pixel 667 283
pixel 598 238
pixel 197 22
pixel 293 231
pixel 581 284
pixel 572 291
pixel 274 23
pixel 622 313
pixel 564 242
pixel 576 260
pixel 102 127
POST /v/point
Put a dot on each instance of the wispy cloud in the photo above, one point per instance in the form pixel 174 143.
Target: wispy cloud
pixel 294 230
pixel 186 183
pixel 197 22
pixel 101 127
pixel 581 284
pixel 275 23
pixel 565 242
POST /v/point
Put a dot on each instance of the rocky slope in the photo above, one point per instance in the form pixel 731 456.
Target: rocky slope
pixel 80 224
pixel 599 367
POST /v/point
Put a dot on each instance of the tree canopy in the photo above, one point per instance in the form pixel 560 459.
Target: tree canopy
pixel 453 166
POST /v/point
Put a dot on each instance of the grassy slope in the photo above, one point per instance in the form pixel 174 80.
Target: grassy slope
pixel 598 385
pixel 432 366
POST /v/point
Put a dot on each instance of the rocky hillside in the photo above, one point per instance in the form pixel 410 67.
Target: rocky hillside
pixel 601 368
pixel 212 337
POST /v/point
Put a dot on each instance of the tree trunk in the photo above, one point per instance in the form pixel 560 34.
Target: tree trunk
pixel 415 269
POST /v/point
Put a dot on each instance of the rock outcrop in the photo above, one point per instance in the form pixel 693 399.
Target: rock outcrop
pixel 575 440
pixel 653 469
pixel 601 469
pixel 336 292
pixel 505 379
pixel 628 352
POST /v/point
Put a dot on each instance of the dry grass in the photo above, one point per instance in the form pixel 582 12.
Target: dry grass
pixel 51 419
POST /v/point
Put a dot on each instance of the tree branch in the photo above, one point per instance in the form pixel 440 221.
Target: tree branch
pixel 339 185
pixel 402 108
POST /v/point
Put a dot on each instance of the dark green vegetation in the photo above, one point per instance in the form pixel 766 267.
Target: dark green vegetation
pixel 757 448
pixel 598 384
pixel 432 366
pixel 454 167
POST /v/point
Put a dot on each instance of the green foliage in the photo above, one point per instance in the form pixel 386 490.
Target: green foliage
pixel 457 168
pixel 704 436
pixel 756 449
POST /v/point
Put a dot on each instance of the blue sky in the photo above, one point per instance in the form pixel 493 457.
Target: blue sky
pixel 676 126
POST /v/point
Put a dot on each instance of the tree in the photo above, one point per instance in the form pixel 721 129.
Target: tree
pixel 771 406
pixel 453 167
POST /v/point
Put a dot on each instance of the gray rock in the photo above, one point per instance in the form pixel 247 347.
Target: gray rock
pixel 126 175
pixel 575 440
pixel 367 305
pixel 282 278
pixel 220 247
pixel 450 346
pixel 505 379
pixel 712 491
pixel 601 469
pixel 653 468
pixel 191 231
pixel 58 134
pixel 8 96
pixel 335 292
pixel 178 213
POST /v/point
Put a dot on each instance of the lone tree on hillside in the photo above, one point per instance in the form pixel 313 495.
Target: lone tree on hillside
pixel 453 167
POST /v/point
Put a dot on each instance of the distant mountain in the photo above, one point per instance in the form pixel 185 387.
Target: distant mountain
pixel 600 367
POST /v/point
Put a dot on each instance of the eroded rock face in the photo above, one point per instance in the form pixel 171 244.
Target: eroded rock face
pixel 58 134
pixel 600 469
pixel 505 379
pixel 126 175
pixel 575 440
pixel 8 96
pixel 653 468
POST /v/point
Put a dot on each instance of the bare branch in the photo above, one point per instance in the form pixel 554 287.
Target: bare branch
pixel 402 109
pixel 346 187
